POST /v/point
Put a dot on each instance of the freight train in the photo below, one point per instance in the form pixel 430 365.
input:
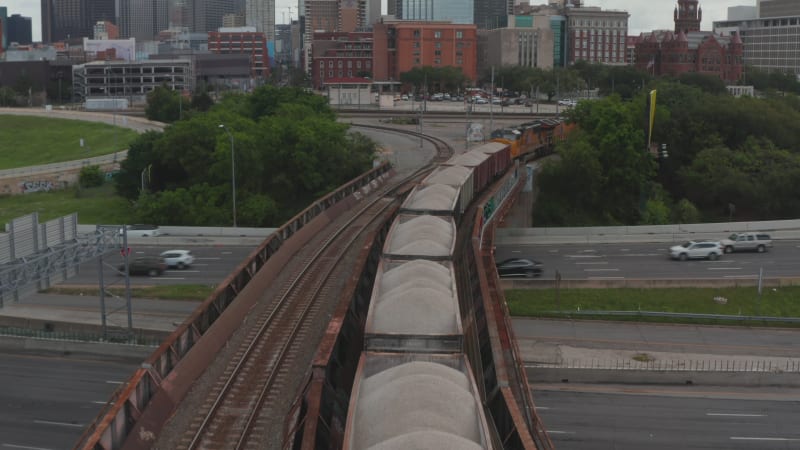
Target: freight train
pixel 423 375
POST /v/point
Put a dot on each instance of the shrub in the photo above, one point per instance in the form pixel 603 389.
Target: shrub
pixel 91 176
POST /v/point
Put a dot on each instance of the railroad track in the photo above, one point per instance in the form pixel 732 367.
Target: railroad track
pixel 239 406
pixel 443 150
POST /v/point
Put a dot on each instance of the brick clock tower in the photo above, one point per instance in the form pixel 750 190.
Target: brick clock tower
pixel 688 16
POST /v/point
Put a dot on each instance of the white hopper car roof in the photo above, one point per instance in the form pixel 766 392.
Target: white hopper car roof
pixel 432 197
pixel 452 175
pixel 421 236
pixel 416 297
pixel 416 404
pixel 470 159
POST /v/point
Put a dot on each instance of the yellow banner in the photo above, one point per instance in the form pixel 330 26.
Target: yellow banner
pixel 652 102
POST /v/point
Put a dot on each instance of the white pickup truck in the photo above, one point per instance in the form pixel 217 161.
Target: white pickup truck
pixel 749 241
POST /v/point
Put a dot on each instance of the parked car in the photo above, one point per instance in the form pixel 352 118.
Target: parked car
pixel 145 265
pixel 749 241
pixel 696 250
pixel 141 230
pixel 180 259
pixel 519 267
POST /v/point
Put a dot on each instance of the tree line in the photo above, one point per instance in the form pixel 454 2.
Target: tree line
pixel 726 158
pixel 288 150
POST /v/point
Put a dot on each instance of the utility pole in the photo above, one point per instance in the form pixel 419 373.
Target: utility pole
pixel 491 106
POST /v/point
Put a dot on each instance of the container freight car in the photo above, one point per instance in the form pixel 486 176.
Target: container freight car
pixel 480 163
pixel 426 237
pixel 414 308
pixel 457 176
pixel 435 199
pixel 500 154
pixel 415 401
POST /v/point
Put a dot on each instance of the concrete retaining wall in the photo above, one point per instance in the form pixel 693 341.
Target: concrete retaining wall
pixel 701 378
pixel 125 351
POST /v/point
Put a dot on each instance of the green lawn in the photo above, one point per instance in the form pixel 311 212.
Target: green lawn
pixel 94 206
pixel 778 302
pixel 29 141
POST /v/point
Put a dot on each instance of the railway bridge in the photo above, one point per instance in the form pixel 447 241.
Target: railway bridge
pixel 269 358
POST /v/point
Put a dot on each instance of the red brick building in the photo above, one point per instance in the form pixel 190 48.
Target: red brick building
pixel 689 50
pixel 244 40
pixel 399 46
pixel 338 56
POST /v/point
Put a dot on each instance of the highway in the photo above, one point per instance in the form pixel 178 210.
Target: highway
pixel 664 418
pixel 652 261
pixel 49 400
pixel 212 264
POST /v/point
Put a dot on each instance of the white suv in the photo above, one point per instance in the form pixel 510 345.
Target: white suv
pixel 140 230
pixel 180 259
pixel 752 241
pixel 696 250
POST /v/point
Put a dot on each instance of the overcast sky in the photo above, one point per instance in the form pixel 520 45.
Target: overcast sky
pixel 646 15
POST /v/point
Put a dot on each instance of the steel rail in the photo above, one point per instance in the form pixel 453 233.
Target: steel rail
pixel 443 151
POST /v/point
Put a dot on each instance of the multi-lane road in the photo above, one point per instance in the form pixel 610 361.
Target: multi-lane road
pixel 651 261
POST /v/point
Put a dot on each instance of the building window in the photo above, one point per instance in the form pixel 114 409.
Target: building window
pixel 438 45
pixel 437 34
pixel 340 74
pixel 368 64
pixel 341 63
pixel 330 64
pixel 438 53
pixel 416 34
pixel 358 64
pixel 416 60
pixel 459 61
pixel 322 74
pixel 349 64
pixel 459 34
pixel 322 64
pixel 437 61
pixel 330 74
pixel 349 73
pixel 416 44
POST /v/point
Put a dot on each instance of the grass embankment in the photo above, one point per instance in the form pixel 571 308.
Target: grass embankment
pixel 95 205
pixel 777 302
pixel 171 292
pixel 30 141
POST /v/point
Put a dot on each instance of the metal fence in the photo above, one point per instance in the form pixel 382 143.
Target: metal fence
pixel 32 255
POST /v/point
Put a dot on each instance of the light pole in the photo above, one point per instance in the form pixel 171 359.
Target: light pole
pixel 233 172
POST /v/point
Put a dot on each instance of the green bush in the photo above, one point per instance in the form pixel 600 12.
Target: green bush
pixel 91 176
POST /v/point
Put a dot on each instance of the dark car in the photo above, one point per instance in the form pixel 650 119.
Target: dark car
pixel 519 267
pixel 146 265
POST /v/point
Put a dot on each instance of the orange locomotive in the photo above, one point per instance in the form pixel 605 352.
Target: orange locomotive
pixel 533 139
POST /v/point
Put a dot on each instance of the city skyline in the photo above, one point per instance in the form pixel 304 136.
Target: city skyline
pixel 644 16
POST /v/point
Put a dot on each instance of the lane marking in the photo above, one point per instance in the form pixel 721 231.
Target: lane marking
pixel 735 415
pixel 753 277
pixel 724 268
pixel 114 382
pixel 98 402
pixel 639 255
pixel 543 408
pixel 559 432
pixel 168 278
pixel 593 262
pixel 209 257
pixel 183 271
pixel 516 251
pixel 7 445
pixel 582 256
pixel 605 278
pixel 601 270
pixel 748 438
pixel 61 424
pixel 227 253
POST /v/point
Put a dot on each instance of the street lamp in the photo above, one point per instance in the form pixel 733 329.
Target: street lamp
pixel 233 173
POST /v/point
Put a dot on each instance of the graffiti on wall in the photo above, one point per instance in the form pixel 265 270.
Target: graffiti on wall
pixel 29 187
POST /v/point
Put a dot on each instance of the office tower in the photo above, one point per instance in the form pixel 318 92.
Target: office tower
pixel 18 29
pixel 490 14
pixel 778 8
pixel 261 14
pixel 74 19
pixel 142 19
pixel 3 26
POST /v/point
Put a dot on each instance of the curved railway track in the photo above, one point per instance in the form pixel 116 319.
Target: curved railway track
pixel 239 405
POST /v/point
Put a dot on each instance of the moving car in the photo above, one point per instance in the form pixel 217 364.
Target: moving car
pixel 750 241
pixel 519 267
pixel 145 265
pixel 180 259
pixel 696 250
pixel 141 230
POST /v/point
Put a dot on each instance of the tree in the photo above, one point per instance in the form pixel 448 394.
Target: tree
pixel 163 105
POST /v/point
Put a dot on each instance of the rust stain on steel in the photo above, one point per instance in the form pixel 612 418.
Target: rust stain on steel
pixel 313 410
